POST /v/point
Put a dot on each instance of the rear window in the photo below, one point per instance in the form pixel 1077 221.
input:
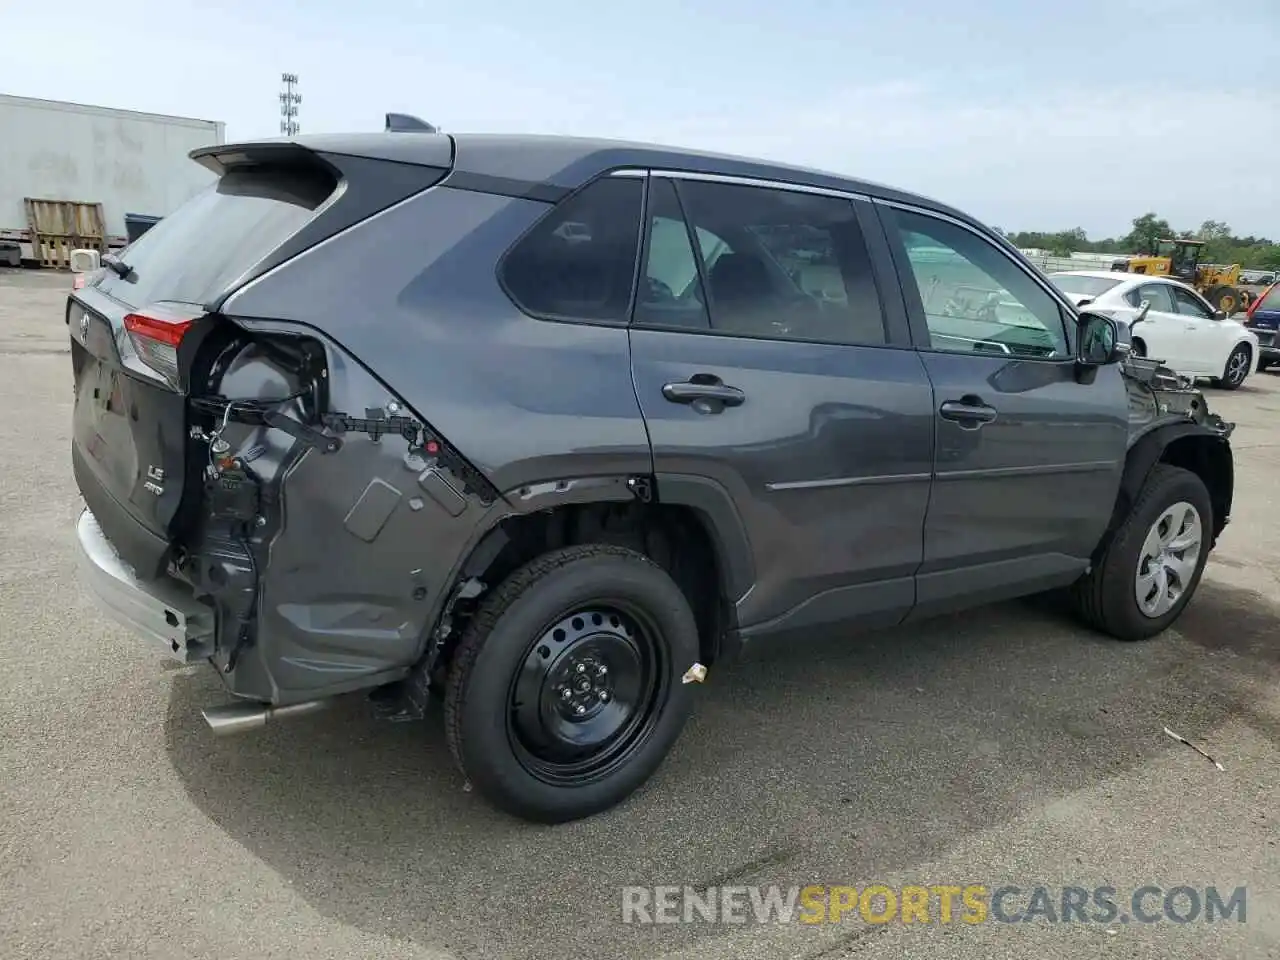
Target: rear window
pixel 194 253
pixel 1083 286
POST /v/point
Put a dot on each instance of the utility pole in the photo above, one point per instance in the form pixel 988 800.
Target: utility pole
pixel 289 100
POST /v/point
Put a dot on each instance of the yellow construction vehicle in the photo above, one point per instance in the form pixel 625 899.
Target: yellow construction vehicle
pixel 1180 259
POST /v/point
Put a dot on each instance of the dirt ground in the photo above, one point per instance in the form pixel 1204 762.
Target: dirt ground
pixel 1002 746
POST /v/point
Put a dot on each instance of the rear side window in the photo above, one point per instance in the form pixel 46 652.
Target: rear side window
pixel 670 293
pixel 775 264
pixel 193 254
pixel 1157 294
pixel 579 262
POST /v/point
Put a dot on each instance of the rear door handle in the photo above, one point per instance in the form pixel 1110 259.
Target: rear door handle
pixel 703 386
pixel 969 413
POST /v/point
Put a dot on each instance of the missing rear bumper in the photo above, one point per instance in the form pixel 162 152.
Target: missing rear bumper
pixel 160 611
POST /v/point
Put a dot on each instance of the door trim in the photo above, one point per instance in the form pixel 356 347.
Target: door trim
pixel 847 481
pixel 1036 470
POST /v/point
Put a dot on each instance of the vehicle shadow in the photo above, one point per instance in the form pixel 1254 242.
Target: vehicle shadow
pixel 839 764
pixel 1254 622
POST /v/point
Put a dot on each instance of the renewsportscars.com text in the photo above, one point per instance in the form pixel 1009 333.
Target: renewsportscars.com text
pixel 934 904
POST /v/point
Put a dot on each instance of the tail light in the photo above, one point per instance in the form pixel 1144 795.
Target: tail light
pixel 1257 300
pixel 156 336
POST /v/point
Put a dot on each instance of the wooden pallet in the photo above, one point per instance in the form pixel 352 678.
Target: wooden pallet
pixel 57 227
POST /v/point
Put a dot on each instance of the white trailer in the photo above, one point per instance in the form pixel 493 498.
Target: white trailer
pixel 128 162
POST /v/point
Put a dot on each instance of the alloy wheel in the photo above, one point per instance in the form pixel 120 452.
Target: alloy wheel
pixel 1168 559
pixel 1238 367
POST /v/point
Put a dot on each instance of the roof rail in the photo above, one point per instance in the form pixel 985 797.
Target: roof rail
pixel 404 123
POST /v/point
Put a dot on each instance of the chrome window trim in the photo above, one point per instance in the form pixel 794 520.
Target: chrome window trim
pixel 731 179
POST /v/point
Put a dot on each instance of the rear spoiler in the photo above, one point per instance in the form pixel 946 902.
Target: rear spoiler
pixel 430 149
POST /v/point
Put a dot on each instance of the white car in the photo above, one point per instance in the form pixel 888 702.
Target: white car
pixel 1181 329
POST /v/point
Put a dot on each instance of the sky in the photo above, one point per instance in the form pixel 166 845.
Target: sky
pixel 1028 115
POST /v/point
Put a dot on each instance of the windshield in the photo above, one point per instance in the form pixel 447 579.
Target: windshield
pixel 212 239
pixel 1086 286
pixel 1270 299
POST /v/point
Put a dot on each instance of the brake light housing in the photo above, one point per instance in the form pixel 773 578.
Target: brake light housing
pixel 1257 300
pixel 156 335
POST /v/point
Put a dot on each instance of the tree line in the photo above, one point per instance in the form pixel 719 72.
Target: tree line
pixel 1221 245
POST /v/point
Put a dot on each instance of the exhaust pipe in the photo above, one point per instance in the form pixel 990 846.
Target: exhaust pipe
pixel 236 718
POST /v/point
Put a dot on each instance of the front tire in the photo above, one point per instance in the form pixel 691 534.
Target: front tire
pixel 565 693
pixel 1224 297
pixel 1239 364
pixel 1153 564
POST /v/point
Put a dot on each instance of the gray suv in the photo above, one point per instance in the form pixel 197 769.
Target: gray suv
pixel 544 428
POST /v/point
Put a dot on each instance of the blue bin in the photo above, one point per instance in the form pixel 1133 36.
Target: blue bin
pixel 136 224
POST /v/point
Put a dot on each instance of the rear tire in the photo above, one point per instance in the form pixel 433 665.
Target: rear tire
pixel 1139 348
pixel 1239 365
pixel 1107 598
pixel 582 645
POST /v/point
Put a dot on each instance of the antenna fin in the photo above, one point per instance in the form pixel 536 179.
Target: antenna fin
pixel 404 123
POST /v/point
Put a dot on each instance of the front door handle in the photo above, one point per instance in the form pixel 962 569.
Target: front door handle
pixel 703 386
pixel 970 413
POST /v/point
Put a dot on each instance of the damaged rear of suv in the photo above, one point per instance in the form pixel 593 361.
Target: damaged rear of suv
pixel 269 387
pixel 543 428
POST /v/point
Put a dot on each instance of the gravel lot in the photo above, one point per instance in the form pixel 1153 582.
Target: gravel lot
pixel 1002 746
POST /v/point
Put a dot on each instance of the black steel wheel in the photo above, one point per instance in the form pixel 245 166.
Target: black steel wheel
pixel 564 694
pixel 584 698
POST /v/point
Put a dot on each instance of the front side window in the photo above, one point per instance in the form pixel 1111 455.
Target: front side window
pixel 975 298
pixel 578 263
pixel 776 264
pixel 1189 304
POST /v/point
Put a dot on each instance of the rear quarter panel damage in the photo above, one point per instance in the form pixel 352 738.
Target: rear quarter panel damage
pixel 359 550
pixel 410 310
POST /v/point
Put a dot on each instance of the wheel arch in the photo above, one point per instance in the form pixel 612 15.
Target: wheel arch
pixel 688 525
pixel 1187 445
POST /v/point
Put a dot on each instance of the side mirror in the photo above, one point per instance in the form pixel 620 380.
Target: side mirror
pixel 1101 341
pixel 1143 309
pixel 1219 314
